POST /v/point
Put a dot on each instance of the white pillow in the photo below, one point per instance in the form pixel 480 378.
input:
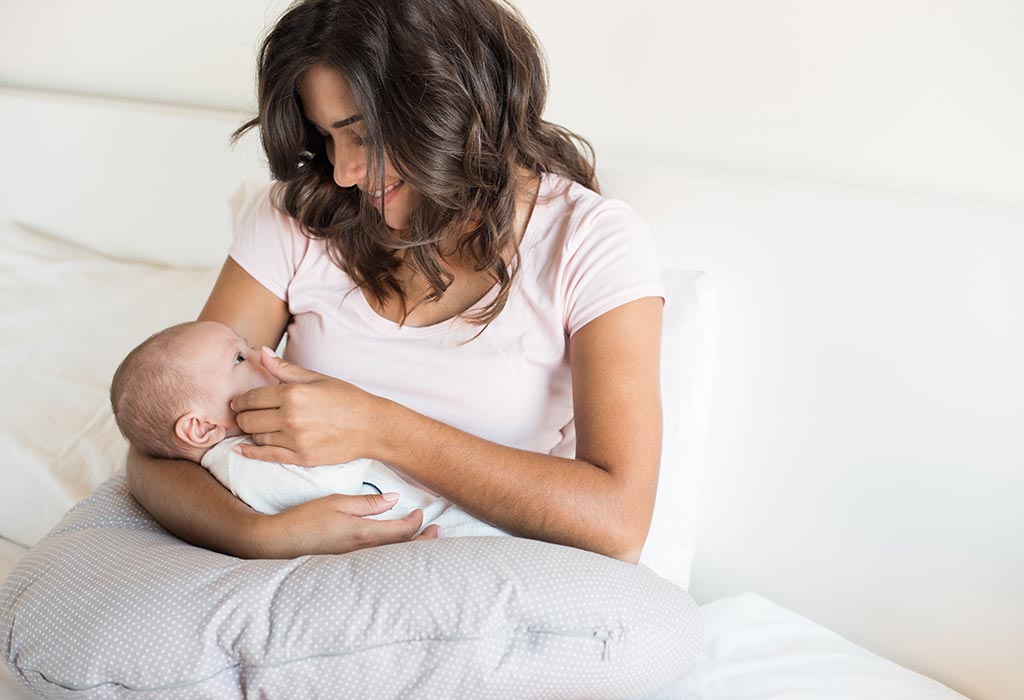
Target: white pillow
pixel 689 332
pixel 67 317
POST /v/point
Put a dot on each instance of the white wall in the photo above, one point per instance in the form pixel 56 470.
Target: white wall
pixel 914 95
pixel 866 451
pixel 866 458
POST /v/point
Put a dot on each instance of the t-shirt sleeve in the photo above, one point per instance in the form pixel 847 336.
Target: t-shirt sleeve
pixel 611 259
pixel 268 244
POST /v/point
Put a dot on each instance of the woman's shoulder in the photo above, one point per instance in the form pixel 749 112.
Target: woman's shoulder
pixel 268 243
pixel 574 215
pixel 563 192
pixel 594 252
pixel 261 202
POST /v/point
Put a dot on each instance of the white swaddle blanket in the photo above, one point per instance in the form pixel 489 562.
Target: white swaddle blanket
pixel 270 487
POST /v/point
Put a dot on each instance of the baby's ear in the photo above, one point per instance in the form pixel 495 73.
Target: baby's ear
pixel 199 432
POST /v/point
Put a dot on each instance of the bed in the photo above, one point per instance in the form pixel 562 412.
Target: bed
pixel 752 648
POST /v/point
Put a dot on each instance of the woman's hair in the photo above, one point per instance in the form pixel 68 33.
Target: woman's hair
pixel 451 93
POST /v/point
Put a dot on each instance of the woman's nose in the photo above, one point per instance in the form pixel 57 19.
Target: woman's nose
pixel 349 167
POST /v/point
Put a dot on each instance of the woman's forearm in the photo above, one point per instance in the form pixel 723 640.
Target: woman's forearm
pixel 566 501
pixel 187 501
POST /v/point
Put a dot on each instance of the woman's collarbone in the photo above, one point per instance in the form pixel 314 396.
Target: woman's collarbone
pixel 465 291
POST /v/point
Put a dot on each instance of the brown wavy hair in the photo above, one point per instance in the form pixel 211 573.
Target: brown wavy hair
pixel 451 93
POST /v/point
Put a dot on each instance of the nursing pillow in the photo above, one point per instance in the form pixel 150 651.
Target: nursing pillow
pixel 110 605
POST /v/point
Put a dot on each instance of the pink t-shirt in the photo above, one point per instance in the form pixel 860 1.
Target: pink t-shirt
pixel 582 255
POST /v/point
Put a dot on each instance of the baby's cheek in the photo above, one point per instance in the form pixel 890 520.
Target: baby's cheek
pixel 262 377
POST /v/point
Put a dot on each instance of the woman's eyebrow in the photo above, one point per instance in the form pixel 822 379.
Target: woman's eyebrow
pixel 346 121
pixel 340 124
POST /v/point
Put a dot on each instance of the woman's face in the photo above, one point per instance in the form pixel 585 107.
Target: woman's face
pixel 328 104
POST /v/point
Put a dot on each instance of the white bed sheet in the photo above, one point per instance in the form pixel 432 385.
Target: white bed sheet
pixel 753 650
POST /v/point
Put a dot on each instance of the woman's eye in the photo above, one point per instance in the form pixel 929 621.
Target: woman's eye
pixel 360 141
pixel 239 358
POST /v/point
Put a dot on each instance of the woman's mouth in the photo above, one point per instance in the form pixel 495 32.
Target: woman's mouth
pixel 383 197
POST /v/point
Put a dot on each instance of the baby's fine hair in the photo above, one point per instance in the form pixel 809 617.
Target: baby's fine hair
pixel 151 389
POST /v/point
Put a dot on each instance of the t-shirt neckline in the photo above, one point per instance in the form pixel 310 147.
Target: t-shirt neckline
pixel 375 320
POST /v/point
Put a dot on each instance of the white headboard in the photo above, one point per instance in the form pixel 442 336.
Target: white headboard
pixel 133 180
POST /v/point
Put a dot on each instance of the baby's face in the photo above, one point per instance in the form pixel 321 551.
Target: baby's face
pixel 225 366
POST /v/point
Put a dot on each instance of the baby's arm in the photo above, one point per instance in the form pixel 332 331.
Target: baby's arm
pixel 270 487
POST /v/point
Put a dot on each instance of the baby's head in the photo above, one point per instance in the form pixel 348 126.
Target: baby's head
pixel 171 394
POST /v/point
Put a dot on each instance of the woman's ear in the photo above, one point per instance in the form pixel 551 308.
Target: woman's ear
pixel 199 432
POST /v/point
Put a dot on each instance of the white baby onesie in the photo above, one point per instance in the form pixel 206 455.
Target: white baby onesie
pixel 270 487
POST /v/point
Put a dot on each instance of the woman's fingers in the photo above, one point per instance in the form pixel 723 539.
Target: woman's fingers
pixel 274 439
pixel 286 372
pixel 260 421
pixel 266 453
pixel 262 397
pixel 368 504
pixel 430 532
pixel 375 503
pixel 324 526
pixel 373 533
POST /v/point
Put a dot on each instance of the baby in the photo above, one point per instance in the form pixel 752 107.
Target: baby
pixel 171 399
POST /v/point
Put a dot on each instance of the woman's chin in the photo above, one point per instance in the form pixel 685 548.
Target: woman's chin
pixel 397 225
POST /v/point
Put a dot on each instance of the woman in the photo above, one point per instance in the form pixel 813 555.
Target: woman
pixel 440 257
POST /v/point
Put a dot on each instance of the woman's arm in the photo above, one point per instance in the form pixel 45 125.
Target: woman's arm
pixel 191 504
pixel 250 309
pixel 601 501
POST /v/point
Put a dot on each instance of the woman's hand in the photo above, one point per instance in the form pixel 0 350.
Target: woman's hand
pixel 335 524
pixel 309 419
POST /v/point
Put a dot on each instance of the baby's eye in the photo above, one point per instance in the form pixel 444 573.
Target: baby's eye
pixel 239 358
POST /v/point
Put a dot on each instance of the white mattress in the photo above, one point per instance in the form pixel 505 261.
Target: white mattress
pixel 753 649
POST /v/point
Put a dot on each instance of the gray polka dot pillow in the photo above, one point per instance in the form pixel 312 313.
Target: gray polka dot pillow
pixel 109 605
